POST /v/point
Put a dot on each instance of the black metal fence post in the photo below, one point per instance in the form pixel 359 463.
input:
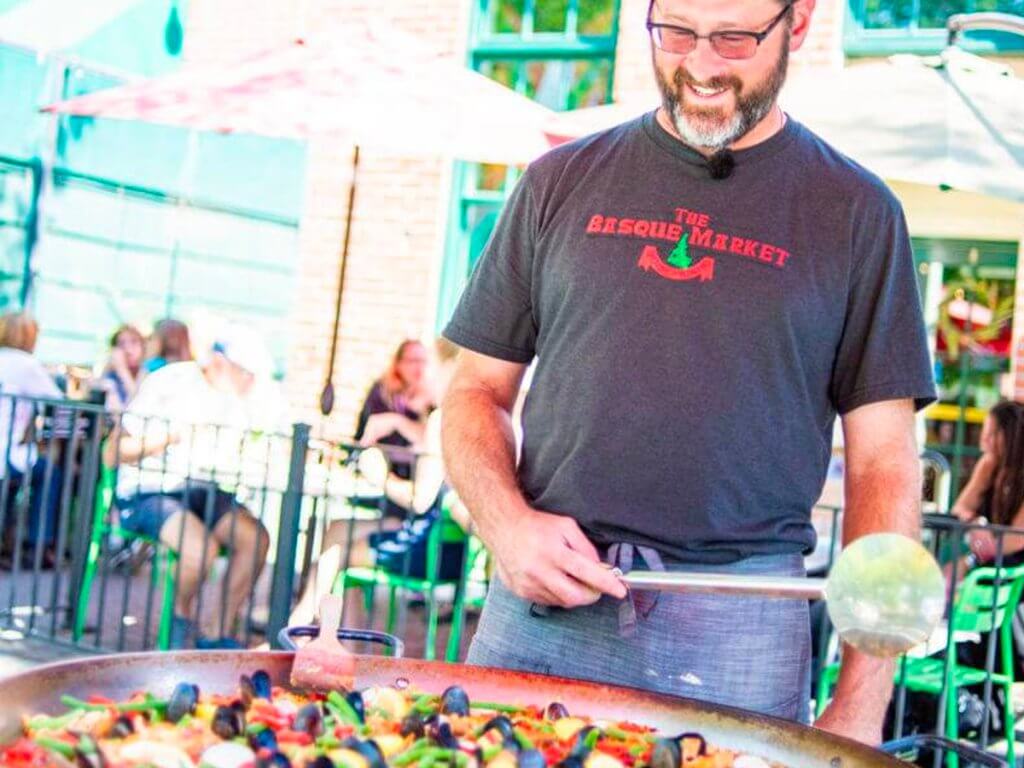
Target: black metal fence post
pixel 281 589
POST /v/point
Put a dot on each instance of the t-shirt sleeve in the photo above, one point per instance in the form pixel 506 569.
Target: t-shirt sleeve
pixel 374 403
pixel 883 353
pixel 495 315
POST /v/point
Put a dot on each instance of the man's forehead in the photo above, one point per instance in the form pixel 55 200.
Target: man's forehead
pixel 717 12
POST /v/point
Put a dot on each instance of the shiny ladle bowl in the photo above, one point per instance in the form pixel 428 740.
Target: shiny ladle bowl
pixel 885 594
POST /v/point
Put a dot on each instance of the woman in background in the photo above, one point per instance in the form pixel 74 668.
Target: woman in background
pixel 124 368
pixel 169 343
pixel 23 379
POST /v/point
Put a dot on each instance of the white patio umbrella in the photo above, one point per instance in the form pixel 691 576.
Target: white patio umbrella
pixel 371 87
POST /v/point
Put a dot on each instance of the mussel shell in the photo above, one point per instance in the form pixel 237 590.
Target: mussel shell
pixel 265 739
pixel 309 719
pixel 702 749
pixel 355 700
pixel 182 702
pixel 579 747
pixel 122 728
pixel 530 758
pixel 412 725
pixel 368 749
pixel 439 730
pixel 572 761
pixel 275 760
pixel 454 701
pixel 502 725
pixel 261 684
pixel 91 760
pixel 555 711
pixel 246 690
pixel 227 722
pixel 666 753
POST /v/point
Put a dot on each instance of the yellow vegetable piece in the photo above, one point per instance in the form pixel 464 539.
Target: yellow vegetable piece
pixel 567 727
pixel 601 760
pixel 390 743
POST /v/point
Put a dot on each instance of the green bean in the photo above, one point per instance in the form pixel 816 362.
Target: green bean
pixel 328 742
pixel 411 755
pixel 510 708
pixel 345 712
pixel 44 723
pixel 65 750
pixel 524 742
pixel 492 752
pixel 255 727
pixel 425 704
pixel 616 733
pixel 133 706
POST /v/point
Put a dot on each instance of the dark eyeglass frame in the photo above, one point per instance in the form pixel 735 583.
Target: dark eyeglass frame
pixel 714 37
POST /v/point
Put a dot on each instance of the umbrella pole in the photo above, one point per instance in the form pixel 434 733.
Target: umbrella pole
pixel 327 395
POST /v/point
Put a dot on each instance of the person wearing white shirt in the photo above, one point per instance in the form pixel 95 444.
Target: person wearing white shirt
pixel 179 448
pixel 22 379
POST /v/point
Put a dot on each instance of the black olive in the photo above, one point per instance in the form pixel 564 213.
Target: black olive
pixel 368 749
pixel 246 690
pixel 702 749
pixel 355 700
pixel 122 728
pixel 412 725
pixel 182 702
pixel 555 711
pixel 454 701
pixel 440 731
pixel 227 722
pixel 261 684
pixel 309 719
pixel 572 761
pixel 321 762
pixel 666 754
pixel 530 758
pixel 276 760
pixel 264 739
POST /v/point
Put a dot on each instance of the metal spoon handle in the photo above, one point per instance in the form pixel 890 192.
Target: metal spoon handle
pixel 727 584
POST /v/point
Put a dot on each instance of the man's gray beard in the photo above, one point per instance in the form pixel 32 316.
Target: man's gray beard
pixel 705 129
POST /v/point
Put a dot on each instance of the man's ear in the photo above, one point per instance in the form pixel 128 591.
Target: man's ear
pixel 802 12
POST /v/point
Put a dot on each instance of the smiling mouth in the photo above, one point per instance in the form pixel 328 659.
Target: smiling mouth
pixel 706 93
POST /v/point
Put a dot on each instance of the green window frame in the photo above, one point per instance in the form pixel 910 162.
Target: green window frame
pixel 558 52
pixel 884 27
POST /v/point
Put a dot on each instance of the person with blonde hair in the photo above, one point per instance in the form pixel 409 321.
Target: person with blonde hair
pixel 23 379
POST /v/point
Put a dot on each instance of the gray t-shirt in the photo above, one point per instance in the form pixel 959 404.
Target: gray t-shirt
pixel 695 338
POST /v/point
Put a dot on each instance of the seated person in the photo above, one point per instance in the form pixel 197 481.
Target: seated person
pixel 123 371
pixel 22 378
pixel 401 550
pixel 395 410
pixel 187 421
pixel 995 491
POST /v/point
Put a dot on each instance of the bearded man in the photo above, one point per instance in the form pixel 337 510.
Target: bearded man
pixel 704 290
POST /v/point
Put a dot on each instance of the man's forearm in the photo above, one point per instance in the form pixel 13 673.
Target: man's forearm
pixel 480 458
pixel 883 496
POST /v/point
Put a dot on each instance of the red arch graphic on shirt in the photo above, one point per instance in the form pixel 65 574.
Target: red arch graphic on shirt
pixel 703 270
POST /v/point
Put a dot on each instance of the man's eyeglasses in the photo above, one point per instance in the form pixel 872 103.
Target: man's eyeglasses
pixel 727 43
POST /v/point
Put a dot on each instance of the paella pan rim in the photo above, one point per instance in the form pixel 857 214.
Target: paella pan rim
pixel 796 745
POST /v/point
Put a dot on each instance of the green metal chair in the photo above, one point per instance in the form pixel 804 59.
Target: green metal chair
pixel 443 531
pixel 163 565
pixel 980 607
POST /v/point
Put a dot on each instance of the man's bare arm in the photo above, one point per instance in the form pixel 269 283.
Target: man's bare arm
pixel 883 494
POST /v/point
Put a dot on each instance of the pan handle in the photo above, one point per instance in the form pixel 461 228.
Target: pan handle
pixel 940 744
pixel 286 637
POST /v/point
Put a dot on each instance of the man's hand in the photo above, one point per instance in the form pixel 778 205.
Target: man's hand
pixel 547 559
pixel 845 717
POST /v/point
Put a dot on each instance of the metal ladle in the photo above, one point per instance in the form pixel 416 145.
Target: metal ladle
pixel 886 593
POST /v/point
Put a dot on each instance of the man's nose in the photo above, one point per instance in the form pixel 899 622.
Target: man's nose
pixel 703 63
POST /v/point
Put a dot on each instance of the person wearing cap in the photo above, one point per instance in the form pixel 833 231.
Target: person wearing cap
pixel 705 289
pixel 185 428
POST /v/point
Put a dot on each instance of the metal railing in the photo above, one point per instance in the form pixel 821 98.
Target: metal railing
pixel 90 555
